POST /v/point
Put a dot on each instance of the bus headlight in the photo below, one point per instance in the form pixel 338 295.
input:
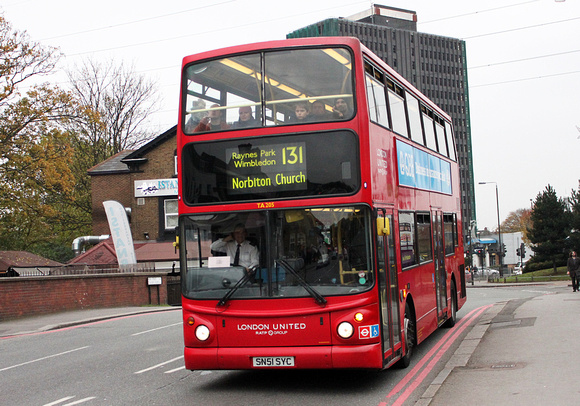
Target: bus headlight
pixel 202 332
pixel 345 330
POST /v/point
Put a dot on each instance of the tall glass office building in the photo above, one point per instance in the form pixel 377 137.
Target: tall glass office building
pixel 434 64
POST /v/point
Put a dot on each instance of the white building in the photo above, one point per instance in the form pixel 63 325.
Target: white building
pixel 490 247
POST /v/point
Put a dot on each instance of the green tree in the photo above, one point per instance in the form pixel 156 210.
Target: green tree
pixel 49 138
pixel 575 220
pixel 550 227
pixel 34 146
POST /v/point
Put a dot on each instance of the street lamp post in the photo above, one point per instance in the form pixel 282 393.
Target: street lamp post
pixel 472 225
pixel 498 228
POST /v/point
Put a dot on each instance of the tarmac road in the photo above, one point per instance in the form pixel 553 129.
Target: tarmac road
pixel 519 352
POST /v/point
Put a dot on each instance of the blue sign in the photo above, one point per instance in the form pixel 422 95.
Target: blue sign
pixel 406 164
pixel 435 173
pixel 445 177
pixel 374 330
pixel 422 170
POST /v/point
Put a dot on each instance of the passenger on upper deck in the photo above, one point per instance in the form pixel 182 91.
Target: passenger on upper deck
pixel 246 118
pixel 301 112
pixel 196 116
pixel 213 121
pixel 341 109
pixel 318 111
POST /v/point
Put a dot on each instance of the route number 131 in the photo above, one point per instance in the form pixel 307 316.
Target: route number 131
pixel 292 155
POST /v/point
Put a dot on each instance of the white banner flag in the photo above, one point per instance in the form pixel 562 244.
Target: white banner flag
pixel 121 232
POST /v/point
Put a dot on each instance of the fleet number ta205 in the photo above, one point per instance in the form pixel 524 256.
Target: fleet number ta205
pixel 267 205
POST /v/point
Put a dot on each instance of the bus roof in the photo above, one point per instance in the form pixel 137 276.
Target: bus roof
pixel 284 43
pixel 352 42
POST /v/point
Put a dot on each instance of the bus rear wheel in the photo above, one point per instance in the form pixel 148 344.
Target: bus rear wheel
pixel 409 331
pixel 453 316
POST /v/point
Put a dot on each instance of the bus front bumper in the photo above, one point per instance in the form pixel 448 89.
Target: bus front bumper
pixel 319 357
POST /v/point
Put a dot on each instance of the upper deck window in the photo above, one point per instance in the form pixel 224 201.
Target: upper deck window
pixel 397 108
pixel 450 144
pixel 270 88
pixel 415 119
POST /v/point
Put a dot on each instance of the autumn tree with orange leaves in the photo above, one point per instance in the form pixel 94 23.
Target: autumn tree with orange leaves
pixel 35 152
pixel 518 221
pixel 50 137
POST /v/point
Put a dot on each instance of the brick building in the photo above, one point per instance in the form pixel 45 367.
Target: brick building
pixel 144 181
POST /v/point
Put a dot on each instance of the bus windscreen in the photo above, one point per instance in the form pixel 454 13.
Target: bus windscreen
pixel 316 252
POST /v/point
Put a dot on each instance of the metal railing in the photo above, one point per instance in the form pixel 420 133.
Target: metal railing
pixel 79 269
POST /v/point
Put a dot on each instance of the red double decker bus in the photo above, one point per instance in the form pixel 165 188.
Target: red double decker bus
pixel 319 209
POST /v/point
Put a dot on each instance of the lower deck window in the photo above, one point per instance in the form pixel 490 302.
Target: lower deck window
pixel 415 236
pixel 450 229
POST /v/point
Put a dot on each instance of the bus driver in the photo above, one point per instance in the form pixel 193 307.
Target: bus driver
pixel 240 251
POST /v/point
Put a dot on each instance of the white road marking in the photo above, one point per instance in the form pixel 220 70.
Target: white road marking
pixel 78 402
pixel 155 329
pixel 56 402
pixel 42 359
pixel 159 365
pixel 545 292
pixel 175 370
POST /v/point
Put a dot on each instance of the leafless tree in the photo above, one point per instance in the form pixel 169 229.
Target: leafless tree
pixel 21 60
pixel 115 106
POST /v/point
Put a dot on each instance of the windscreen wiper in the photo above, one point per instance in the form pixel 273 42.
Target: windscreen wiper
pixel 239 284
pixel 313 292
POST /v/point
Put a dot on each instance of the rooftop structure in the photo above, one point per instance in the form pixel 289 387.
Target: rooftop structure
pixel 434 64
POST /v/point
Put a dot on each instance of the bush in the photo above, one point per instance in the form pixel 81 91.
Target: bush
pixel 532 266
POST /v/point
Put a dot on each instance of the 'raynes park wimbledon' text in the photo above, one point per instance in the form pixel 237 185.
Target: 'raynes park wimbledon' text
pixel 267 168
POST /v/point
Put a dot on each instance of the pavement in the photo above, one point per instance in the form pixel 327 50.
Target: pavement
pixel 518 352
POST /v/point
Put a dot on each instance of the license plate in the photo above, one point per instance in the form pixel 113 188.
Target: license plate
pixel 273 361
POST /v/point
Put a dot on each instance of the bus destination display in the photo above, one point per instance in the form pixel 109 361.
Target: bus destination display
pixel 266 168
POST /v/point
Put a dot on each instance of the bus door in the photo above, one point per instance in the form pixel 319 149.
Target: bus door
pixel 388 283
pixel 439 261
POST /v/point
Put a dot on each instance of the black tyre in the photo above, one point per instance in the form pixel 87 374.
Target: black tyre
pixel 453 316
pixel 409 336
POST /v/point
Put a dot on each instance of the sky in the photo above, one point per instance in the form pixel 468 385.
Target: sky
pixel 523 59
